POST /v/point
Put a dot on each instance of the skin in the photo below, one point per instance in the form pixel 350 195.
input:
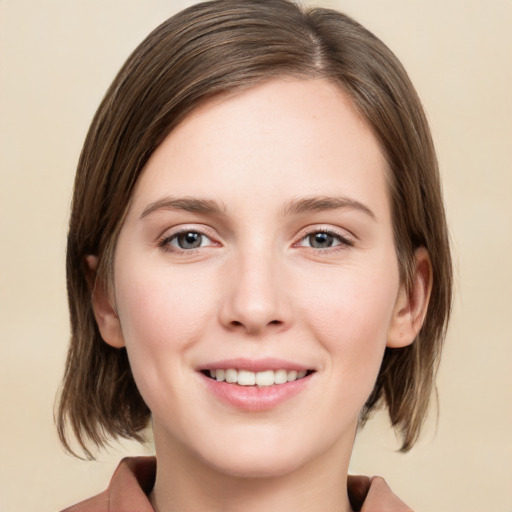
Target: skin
pixel 255 288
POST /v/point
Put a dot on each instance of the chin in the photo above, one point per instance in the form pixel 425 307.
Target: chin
pixel 256 466
pixel 260 454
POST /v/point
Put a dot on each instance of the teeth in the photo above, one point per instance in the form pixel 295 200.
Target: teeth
pixel 292 375
pixel 280 377
pixel 246 378
pixel 231 376
pixel 265 378
pixel 261 379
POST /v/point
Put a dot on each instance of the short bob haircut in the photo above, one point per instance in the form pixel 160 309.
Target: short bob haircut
pixel 220 47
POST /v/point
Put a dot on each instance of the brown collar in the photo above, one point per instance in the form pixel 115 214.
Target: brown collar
pixel 134 478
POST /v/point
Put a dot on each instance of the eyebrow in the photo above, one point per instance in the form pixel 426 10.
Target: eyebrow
pixel 293 207
pixel 321 203
pixel 186 204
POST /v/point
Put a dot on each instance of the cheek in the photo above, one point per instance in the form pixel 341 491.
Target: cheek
pixel 155 311
pixel 350 313
pixel 159 323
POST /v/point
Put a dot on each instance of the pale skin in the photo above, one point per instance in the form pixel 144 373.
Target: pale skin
pixel 260 228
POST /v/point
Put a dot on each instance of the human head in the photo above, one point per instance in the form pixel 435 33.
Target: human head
pixel 205 51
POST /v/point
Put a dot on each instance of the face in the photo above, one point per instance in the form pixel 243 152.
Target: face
pixel 256 279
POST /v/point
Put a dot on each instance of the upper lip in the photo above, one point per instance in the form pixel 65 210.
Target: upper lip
pixel 255 365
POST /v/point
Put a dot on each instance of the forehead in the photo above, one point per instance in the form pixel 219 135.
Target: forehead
pixel 304 135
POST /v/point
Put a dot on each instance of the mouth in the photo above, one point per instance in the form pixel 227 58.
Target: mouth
pixel 256 385
pixel 258 379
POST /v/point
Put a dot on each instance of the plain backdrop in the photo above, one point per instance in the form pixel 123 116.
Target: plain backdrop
pixel 57 58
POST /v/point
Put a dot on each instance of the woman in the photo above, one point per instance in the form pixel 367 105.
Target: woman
pixel 257 258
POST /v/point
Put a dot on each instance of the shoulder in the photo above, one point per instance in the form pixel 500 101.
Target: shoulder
pixel 374 495
pixel 128 490
pixel 97 503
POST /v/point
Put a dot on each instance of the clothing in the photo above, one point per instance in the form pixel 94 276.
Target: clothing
pixel 134 478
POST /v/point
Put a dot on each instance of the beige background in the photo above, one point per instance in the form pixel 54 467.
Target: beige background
pixel 57 59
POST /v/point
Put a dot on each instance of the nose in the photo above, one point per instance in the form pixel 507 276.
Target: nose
pixel 256 298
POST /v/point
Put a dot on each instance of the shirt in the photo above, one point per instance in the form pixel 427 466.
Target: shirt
pixel 134 478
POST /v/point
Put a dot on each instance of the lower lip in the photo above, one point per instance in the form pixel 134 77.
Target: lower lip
pixel 253 398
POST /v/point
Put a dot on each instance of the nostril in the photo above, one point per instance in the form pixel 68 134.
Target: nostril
pixel 254 326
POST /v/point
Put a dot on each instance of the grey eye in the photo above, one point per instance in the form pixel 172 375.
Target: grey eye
pixel 321 240
pixel 188 240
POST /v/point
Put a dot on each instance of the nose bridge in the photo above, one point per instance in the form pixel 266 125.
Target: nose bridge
pixel 256 297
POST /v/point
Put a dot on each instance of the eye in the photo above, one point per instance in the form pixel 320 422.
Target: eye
pixel 186 241
pixel 323 239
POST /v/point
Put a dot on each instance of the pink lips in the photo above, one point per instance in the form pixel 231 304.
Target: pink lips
pixel 255 365
pixel 253 398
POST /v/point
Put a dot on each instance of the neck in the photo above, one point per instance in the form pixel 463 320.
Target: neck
pixel 183 482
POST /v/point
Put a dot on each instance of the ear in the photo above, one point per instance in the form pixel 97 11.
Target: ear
pixel 104 312
pixel 411 305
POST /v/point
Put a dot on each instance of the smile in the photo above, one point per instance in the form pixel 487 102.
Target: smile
pixel 256 385
pixel 260 379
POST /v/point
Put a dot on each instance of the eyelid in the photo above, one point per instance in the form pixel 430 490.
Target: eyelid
pixel 346 238
pixel 171 233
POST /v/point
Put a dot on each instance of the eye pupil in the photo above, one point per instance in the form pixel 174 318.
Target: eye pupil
pixel 321 240
pixel 190 240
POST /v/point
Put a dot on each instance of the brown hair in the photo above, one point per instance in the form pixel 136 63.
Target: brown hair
pixel 206 50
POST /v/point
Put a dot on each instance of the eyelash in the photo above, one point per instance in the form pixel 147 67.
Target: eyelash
pixel 165 242
pixel 344 242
